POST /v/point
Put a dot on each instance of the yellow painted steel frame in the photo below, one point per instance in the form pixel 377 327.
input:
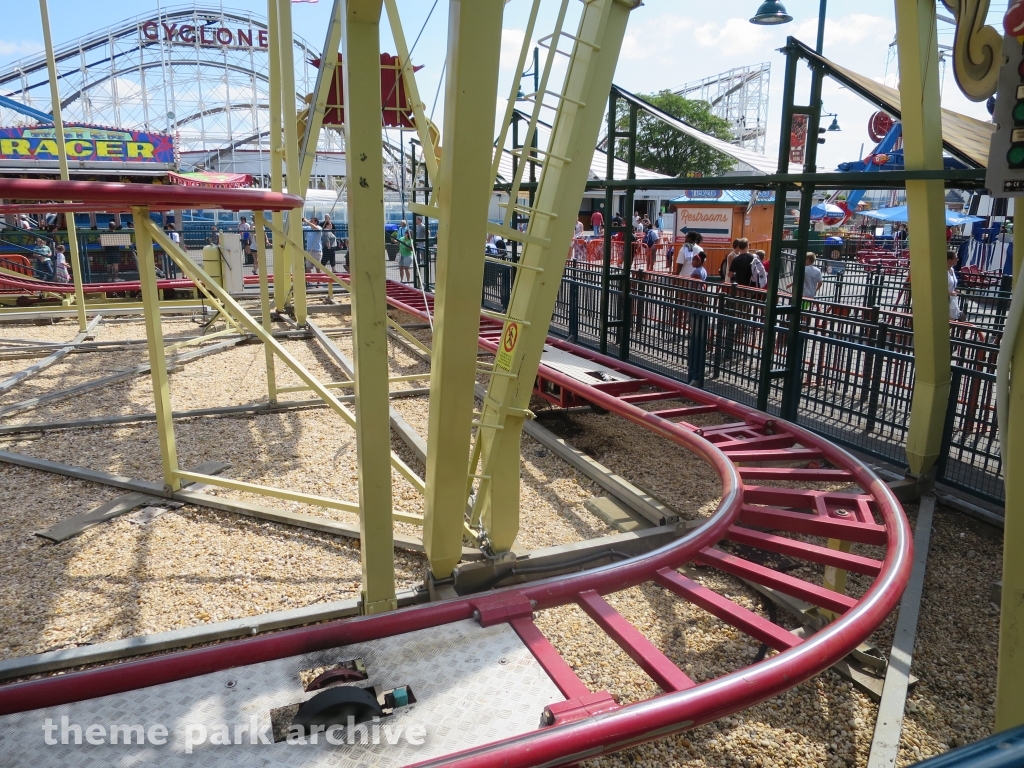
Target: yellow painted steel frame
pixel 361 71
pixel 296 184
pixel 576 125
pixel 160 385
pixel 258 223
pixel 917 36
pixel 157 359
pixel 282 274
pixel 463 195
pixel 1010 676
pixel 62 158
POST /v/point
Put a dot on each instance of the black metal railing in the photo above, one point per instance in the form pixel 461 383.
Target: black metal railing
pixel 857 372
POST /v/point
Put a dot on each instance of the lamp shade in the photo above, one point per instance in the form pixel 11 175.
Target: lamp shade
pixel 771 12
pixel 835 124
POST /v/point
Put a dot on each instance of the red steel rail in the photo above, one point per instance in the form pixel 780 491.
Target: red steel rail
pixel 754 447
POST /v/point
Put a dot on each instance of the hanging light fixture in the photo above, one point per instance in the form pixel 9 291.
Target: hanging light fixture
pixel 771 12
pixel 835 124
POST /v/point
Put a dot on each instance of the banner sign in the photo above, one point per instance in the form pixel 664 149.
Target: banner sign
pixel 204 35
pixel 715 224
pixel 798 139
pixel 87 144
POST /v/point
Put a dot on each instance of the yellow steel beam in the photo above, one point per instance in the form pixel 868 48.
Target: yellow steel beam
pixel 576 125
pixel 463 194
pixel 296 184
pixel 1010 674
pixel 258 222
pixel 155 341
pixel 361 68
pixel 62 158
pixel 917 37
pixel 282 272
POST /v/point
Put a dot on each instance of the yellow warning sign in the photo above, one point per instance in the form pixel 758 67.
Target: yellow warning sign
pixel 507 348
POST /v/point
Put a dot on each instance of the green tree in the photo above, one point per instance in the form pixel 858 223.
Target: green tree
pixel 661 148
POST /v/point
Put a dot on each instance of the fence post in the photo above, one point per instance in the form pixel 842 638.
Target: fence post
pixel 876 375
pixel 949 422
pixel 574 304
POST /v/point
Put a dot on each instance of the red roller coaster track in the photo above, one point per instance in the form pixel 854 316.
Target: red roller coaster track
pixel 755 447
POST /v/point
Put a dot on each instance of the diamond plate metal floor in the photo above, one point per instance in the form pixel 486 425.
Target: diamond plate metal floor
pixel 473 686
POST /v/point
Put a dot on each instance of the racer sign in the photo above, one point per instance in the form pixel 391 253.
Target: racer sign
pixel 86 143
pixel 507 348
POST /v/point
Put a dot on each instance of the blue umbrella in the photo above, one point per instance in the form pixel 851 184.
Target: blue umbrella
pixel 899 213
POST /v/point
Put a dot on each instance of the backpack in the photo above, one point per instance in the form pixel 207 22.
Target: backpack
pixel 758 274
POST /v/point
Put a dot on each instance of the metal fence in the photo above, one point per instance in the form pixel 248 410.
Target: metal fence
pixel 857 371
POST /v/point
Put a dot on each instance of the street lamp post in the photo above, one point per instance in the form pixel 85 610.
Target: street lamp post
pixel 772 12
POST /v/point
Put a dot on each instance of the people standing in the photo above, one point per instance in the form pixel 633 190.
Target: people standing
pixel 329 242
pixel 405 247
pixel 314 239
pixel 596 222
pixel 697 265
pixel 691 247
pixel 723 271
pixel 42 251
pixel 214 238
pixel 741 271
pixel 812 277
pixel 61 273
pixel 245 235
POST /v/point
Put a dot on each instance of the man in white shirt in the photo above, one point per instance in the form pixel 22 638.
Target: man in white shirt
pixel 684 261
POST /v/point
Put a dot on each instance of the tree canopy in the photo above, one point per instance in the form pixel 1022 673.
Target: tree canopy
pixel 661 148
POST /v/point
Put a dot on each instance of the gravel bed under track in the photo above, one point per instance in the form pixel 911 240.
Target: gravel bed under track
pixel 193 566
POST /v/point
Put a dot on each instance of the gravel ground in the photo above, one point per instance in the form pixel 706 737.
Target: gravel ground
pixel 122 579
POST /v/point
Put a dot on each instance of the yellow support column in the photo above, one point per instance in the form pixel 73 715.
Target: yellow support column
pixel 258 231
pixel 464 186
pixel 917 37
pixel 155 341
pixel 62 157
pixel 361 65
pixel 1010 675
pixel 296 184
pixel 565 167
pixel 282 272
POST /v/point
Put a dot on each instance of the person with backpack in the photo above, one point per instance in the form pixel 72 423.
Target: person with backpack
pixel 723 271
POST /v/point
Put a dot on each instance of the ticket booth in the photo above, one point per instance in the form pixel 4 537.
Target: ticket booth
pixel 722 216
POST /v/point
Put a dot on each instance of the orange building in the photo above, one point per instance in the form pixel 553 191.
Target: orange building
pixel 721 216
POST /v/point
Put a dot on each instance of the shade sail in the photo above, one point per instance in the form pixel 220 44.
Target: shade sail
pixel 965 137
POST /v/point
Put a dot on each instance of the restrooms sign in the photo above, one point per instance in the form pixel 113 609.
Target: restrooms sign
pixel 715 224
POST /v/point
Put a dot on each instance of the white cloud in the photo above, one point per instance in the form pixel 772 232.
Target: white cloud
pixel 511 47
pixel 19 47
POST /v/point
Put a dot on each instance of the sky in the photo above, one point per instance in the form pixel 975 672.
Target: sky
pixel 668 43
